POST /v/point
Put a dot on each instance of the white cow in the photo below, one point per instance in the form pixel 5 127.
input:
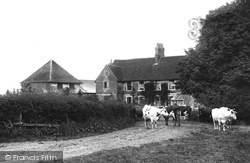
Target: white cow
pixel 222 115
pixel 153 113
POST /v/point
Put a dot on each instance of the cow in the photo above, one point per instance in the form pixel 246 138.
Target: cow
pixel 175 111
pixel 186 112
pixel 230 119
pixel 153 113
pixel 135 112
pixel 204 114
pixel 221 115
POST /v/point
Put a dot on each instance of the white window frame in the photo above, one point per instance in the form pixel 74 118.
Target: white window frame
pixel 127 86
pixel 157 86
pixel 171 85
pixel 126 98
pixel 141 87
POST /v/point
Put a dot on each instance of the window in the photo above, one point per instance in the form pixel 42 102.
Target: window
pixel 71 86
pixel 59 85
pixel 53 85
pixel 105 84
pixel 171 86
pixel 157 86
pixel 65 86
pixel 106 72
pixel 129 86
pixel 141 86
pixel 141 99
pixel 129 99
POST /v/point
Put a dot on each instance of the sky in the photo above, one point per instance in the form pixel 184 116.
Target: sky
pixel 82 36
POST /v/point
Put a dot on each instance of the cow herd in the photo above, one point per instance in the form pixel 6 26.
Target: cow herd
pixel 222 117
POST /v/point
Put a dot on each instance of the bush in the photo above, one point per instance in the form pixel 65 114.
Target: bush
pixel 75 114
pixel 194 116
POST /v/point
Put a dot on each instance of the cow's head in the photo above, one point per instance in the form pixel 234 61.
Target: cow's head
pixel 164 112
pixel 171 114
pixel 233 114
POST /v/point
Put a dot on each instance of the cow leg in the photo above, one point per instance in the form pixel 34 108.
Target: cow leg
pixel 146 125
pixel 175 118
pixel 219 125
pixel 134 121
pixel 179 122
pixel 224 125
pixel 152 124
pixel 214 124
pixel 166 119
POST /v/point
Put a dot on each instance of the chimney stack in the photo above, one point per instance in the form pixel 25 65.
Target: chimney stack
pixel 159 52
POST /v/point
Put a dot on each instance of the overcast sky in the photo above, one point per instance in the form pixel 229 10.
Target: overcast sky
pixel 83 36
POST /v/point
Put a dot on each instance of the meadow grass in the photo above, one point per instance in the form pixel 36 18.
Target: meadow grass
pixel 206 146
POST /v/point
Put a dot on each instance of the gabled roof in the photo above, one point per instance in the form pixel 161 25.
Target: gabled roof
pixel 145 69
pixel 88 86
pixel 51 72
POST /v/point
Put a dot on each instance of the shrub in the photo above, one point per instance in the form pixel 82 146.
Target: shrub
pixel 74 114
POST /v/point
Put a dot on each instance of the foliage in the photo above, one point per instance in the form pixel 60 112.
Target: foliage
pixel 27 88
pixel 164 93
pixel 217 71
pixel 149 92
pixel 71 112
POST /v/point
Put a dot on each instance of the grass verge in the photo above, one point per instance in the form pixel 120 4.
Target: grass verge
pixel 205 146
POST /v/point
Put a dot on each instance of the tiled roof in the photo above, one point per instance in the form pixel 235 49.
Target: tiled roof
pixel 88 86
pixel 51 72
pixel 145 69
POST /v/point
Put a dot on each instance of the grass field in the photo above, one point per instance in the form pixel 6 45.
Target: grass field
pixel 208 146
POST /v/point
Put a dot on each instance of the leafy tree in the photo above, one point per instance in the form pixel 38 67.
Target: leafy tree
pixel 217 71
pixel 164 93
pixel 27 88
pixel 149 92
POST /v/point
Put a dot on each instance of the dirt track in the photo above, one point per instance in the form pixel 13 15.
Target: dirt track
pixel 134 136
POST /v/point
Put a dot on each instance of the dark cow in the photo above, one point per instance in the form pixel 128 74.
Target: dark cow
pixel 136 111
pixel 204 114
pixel 186 111
pixel 176 109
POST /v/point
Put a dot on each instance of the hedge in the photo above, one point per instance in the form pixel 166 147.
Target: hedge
pixel 74 114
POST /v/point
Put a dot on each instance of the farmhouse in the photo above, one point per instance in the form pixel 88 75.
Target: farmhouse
pixel 51 77
pixel 129 80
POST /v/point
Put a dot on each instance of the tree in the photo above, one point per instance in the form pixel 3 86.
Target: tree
pixel 27 87
pixel 218 68
pixel 149 92
pixel 164 93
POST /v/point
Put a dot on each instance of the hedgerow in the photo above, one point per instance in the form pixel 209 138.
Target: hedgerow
pixel 73 114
